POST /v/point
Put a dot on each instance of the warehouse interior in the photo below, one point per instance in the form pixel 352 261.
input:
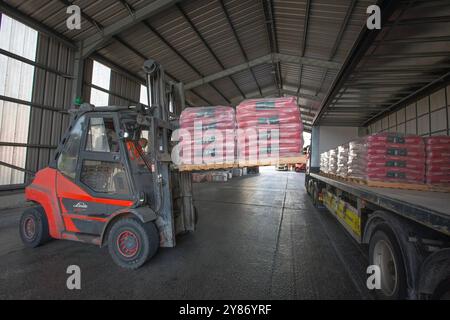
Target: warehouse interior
pixel 258 236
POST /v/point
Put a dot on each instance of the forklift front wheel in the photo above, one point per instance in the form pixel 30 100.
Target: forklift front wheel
pixel 131 243
pixel 34 227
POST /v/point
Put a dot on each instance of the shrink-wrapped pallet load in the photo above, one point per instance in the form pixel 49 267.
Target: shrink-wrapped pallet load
pixel 324 160
pixel 342 161
pixel 357 159
pixel 388 157
pixel 333 161
pixel 438 161
pixel 394 157
pixel 207 136
pixel 268 129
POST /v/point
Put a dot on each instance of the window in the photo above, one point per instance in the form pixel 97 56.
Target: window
pixel 105 177
pixel 16 81
pixel 67 161
pixel 102 136
pixel 101 77
pixel 143 99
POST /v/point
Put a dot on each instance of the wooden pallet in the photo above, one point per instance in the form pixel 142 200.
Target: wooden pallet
pixel 439 189
pixel 205 167
pixel 333 176
pixel 392 185
pixel 399 185
pixel 271 162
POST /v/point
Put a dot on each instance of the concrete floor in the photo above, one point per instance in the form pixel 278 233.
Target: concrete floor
pixel 258 237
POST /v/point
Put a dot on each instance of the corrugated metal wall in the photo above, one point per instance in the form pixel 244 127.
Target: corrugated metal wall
pixel 51 96
pixel 427 116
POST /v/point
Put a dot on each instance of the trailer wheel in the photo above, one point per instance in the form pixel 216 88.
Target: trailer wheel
pixel 131 243
pixel 443 291
pixel 308 187
pixel 34 227
pixel 195 215
pixel 315 194
pixel 385 253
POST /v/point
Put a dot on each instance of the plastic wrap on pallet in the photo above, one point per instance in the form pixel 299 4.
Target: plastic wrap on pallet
pixel 388 157
pixel 342 161
pixel 333 161
pixel 208 135
pixel 269 128
pixel 324 159
pixel 357 159
pixel 438 161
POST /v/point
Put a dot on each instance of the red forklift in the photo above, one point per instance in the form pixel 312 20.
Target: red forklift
pixel 106 187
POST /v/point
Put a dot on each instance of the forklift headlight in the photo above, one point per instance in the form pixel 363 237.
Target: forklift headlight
pixel 141 200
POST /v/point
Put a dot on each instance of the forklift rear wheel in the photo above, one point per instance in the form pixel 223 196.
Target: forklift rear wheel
pixel 131 243
pixel 34 227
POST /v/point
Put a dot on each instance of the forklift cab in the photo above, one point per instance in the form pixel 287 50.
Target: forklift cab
pixel 105 186
pixel 103 157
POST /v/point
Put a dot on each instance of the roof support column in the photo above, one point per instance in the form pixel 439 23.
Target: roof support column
pixel 78 75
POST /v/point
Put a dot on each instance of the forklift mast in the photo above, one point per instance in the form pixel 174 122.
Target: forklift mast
pixel 172 189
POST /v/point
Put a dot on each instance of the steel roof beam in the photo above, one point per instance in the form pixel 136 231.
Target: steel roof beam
pixel 338 39
pixel 186 61
pixel 304 37
pixel 144 57
pixel 271 90
pixel 273 41
pixel 356 103
pixel 127 6
pixel 127 73
pixel 413 40
pixel 241 47
pixel 208 47
pixel 423 20
pixel 97 40
pixel 407 68
pixel 84 16
pixel 352 110
pixel 410 55
pixel 267 59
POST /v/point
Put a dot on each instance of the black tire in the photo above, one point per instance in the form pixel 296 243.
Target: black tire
pixel 443 291
pixel 33 227
pixel 131 243
pixel 391 268
pixel 308 188
pixel 195 215
pixel 315 194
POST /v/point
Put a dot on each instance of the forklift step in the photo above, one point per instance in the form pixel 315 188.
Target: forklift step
pixel 81 237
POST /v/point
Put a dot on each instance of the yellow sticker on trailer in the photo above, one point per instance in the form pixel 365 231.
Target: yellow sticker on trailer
pixel 353 220
pixel 344 212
